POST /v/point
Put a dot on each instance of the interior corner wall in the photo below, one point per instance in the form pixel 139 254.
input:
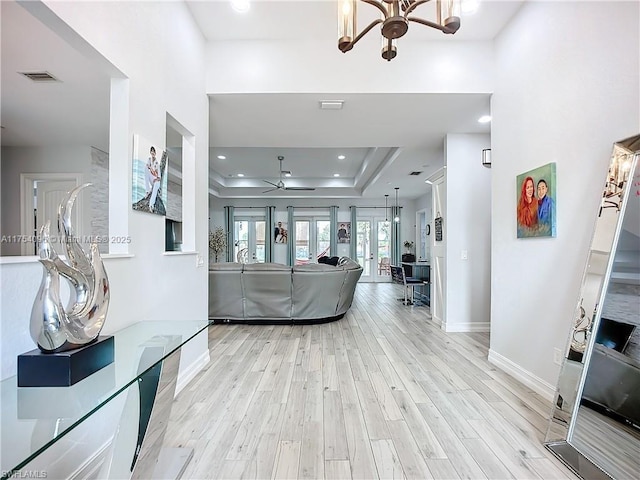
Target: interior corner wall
pixel 568 87
pixel 468 233
pixel 160 50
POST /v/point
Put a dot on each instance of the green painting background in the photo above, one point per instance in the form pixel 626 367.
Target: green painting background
pixel 548 173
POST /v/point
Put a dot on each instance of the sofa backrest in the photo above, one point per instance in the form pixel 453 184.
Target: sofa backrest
pixel 316 290
pixel 267 291
pixel 225 290
pixel 258 291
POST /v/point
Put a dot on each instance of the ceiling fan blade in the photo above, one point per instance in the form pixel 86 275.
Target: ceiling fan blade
pixel 299 188
pixel 270 190
pixel 270 183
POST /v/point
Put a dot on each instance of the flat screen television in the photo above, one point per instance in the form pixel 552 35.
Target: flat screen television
pixel 613 334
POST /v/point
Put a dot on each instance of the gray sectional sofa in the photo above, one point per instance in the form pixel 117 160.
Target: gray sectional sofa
pixel 275 293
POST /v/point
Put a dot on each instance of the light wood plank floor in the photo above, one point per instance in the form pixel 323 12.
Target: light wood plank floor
pixel 382 393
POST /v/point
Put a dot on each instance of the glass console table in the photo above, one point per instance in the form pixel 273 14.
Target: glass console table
pixel 53 431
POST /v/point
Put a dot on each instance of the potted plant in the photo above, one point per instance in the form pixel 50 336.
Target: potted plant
pixel 408 257
pixel 217 242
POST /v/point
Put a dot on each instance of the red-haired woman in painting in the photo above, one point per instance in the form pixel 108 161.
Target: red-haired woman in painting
pixel 527 205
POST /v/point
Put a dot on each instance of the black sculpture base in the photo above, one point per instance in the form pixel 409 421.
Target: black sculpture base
pixel 38 369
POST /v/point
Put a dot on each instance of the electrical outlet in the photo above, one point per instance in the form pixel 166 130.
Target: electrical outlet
pixel 464 255
pixel 557 356
pixel 199 261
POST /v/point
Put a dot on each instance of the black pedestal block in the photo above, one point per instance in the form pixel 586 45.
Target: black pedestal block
pixel 38 369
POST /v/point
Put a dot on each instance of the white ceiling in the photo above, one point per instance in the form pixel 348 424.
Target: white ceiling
pixel 315 19
pixel 383 136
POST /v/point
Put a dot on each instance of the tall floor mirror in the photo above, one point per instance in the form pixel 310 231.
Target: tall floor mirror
pixel 595 425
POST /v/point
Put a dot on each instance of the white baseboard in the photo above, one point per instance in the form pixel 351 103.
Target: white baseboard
pixel 192 370
pixel 541 387
pixel 91 466
pixel 468 327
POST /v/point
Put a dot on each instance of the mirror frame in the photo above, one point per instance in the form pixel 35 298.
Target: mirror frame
pixel 573 371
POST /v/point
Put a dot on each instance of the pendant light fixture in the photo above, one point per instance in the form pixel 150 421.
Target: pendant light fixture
pixel 386 209
pixel 397 217
pixel 394 17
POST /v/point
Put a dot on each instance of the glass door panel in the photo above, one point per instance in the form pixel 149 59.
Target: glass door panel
pixel 241 246
pixel 303 245
pixel 373 249
pixel 323 239
pixel 260 232
pixel 312 239
pixel 250 240
pixel 383 247
pixel 363 248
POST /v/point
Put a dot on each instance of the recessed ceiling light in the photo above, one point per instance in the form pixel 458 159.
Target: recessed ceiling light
pixel 331 104
pixel 240 6
pixel 484 119
pixel 241 174
pixel 336 174
pixel 222 157
pixel 341 157
pixel 287 174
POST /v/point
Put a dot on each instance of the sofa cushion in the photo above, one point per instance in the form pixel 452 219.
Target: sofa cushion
pixel 314 267
pixel 225 266
pixel 225 293
pixel 269 267
pixel 267 291
pixel 348 264
pixel 316 291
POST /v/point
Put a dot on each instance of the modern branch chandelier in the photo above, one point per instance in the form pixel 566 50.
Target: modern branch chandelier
pixel 395 21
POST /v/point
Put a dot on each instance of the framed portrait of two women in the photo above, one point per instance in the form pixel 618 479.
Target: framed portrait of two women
pixel 536 202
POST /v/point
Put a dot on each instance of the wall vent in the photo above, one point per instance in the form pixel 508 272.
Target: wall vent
pixel 40 76
pixel 415 173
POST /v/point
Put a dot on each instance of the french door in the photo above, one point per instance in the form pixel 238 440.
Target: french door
pixel 250 240
pixel 373 249
pixel 312 239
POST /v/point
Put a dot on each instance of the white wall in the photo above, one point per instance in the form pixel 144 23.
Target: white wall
pixel 468 229
pixel 424 202
pixel 285 66
pixel 17 160
pixel 158 48
pixel 568 87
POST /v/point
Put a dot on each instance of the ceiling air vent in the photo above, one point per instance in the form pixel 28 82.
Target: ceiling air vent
pixel 40 76
pixel 415 173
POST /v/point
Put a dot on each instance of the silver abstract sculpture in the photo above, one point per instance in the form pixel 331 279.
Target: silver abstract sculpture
pixel 56 328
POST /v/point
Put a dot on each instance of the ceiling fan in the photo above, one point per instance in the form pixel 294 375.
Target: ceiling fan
pixel 280 185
